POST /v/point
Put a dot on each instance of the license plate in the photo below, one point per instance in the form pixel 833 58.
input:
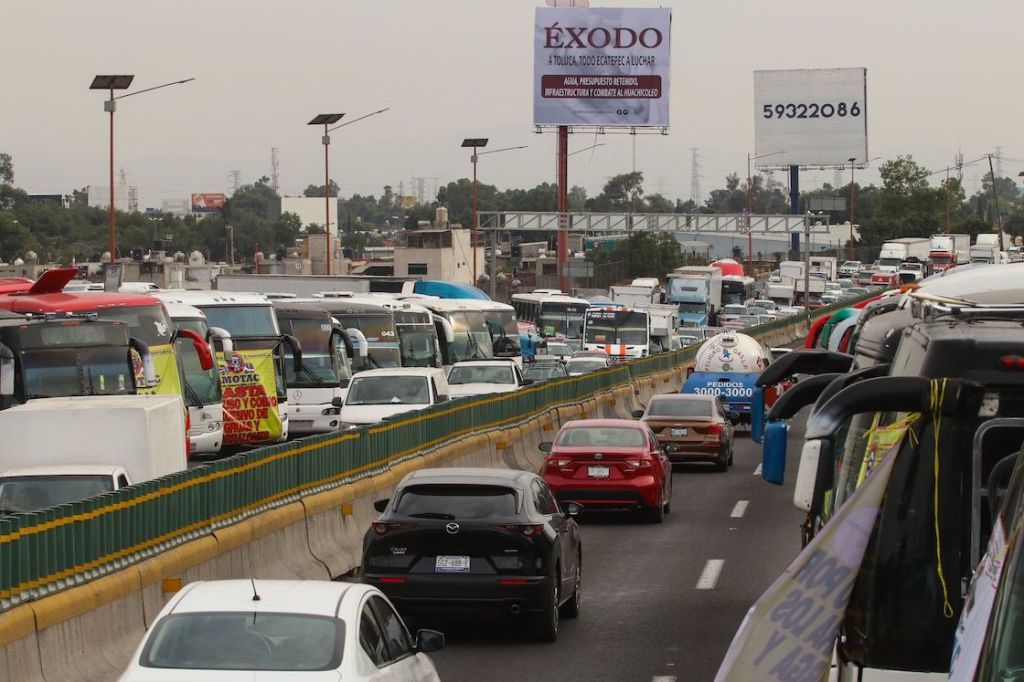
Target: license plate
pixel 679 432
pixel 451 564
pixel 598 472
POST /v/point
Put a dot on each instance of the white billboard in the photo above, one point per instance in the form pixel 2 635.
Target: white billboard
pixel 810 117
pixel 601 66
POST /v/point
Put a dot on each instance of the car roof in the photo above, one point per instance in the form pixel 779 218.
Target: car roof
pixel 470 475
pixel 315 597
pixel 484 363
pixel 398 372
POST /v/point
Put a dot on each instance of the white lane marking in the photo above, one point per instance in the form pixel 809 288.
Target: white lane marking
pixel 709 577
pixel 757 471
pixel 663 678
pixel 740 509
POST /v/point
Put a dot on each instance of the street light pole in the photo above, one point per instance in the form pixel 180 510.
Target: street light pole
pixel 111 83
pixel 326 120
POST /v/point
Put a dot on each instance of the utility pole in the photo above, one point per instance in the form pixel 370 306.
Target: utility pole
pixel 995 198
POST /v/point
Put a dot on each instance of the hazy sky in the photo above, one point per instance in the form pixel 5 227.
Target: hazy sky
pixel 942 76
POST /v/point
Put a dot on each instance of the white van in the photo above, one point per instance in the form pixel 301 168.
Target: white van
pixel 378 394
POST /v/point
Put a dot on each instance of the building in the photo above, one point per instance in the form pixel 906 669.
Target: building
pixel 126 197
pixel 311 210
pixel 442 252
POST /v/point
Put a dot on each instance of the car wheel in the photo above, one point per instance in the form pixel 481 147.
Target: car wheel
pixel 571 608
pixel 731 452
pixel 668 501
pixel 722 465
pixel 547 622
pixel 656 514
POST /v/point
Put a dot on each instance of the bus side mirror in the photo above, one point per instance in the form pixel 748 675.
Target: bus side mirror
pixel 773 455
pixel 148 370
pixel 6 371
pixel 223 337
pixel 202 348
pixel 296 351
pixel 757 415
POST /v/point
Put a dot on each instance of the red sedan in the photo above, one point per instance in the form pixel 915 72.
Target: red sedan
pixel 609 464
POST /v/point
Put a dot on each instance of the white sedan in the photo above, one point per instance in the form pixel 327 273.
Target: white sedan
pixel 295 629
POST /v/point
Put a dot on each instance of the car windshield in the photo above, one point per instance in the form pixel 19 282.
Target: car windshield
pixel 559 349
pixel 679 407
pixel 242 320
pixel 457 501
pixel 147 323
pixel 481 375
pixel 580 365
pixel 32 493
pixel 583 436
pixel 544 372
pixel 76 372
pixel 245 641
pixel 385 390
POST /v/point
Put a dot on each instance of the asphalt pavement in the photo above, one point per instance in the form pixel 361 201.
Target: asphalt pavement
pixel 660 602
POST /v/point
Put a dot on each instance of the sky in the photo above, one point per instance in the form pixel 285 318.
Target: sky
pixel 941 77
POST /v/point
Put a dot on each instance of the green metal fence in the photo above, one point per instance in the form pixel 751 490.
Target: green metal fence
pixel 46 551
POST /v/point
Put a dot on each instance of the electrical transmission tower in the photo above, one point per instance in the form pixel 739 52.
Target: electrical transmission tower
pixel 274 168
pixel 695 193
pixel 235 180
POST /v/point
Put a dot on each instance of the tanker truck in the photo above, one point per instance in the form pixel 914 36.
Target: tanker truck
pixel 727 365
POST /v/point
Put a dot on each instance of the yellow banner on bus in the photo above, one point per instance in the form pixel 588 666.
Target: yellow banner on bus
pixel 165 365
pixel 250 397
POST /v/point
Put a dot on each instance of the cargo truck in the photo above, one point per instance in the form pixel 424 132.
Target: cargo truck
pixel 896 251
pixel 948 250
pixel 697 293
pixel 87 446
pixel 642 291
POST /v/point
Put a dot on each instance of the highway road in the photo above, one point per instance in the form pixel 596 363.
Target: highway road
pixel 661 602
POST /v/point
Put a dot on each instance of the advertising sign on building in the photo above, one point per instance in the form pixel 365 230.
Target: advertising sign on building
pixel 207 203
pixel 601 66
pixel 811 117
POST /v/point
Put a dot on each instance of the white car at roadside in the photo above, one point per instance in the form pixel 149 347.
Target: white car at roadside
pixel 478 377
pixel 281 630
pixel 378 394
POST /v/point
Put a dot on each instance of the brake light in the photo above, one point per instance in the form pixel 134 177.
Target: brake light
pixel 715 430
pixel 385 527
pixel 527 530
pixel 393 581
pixel 512 581
pixel 558 462
pixel 1013 361
pixel 642 462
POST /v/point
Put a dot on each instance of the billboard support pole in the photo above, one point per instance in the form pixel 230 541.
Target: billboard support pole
pixel 563 209
pixel 794 204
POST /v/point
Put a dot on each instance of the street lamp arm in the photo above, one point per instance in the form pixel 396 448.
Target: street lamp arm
pixel 155 87
pixel 585 149
pixel 505 149
pixel 356 120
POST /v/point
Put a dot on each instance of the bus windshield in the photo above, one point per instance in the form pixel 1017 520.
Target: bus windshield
pixel 320 365
pixel 77 371
pixel 561 319
pixel 147 323
pixel 472 337
pixel 418 343
pixel 504 333
pixel 242 320
pixel 734 292
pixel 381 337
pixel 619 327
pixel 205 384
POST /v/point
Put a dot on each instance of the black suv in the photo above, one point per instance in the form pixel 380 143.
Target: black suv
pixel 464 541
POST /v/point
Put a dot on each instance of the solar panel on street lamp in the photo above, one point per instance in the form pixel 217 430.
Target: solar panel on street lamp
pixel 325 119
pixel 111 82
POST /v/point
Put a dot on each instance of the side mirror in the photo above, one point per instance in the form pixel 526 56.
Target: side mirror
pixel 671 448
pixel 637 414
pixel 443 397
pixel 381 505
pixel 296 351
pixel 223 337
pixel 149 377
pixel 429 640
pixel 545 446
pixel 573 509
pixel 6 371
pixel 337 401
pixel 203 349
pixel 527 382
pixel 773 457
pixel 733 417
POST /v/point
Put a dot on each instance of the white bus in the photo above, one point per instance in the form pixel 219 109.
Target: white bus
pixel 622 333
pixel 472 329
pixel 548 314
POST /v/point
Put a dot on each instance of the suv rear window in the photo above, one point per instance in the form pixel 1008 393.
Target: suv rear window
pixel 457 501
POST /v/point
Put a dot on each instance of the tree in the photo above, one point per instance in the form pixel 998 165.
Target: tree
pixel 622 192
pixel 907 205
pixel 6 169
pixel 318 190
pixel 646 254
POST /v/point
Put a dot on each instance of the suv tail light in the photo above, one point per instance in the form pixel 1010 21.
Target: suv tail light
pixel 1013 361
pixel 528 530
pixel 714 430
pixel 385 527
pixel 641 462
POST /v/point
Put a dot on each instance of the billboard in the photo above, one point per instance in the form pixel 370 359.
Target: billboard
pixel 601 66
pixel 810 117
pixel 207 203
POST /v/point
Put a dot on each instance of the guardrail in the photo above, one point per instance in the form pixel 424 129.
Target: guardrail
pixel 50 550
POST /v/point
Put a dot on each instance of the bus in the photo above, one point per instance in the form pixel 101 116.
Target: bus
pixel 549 314
pixel 373 320
pixel 202 387
pixel 622 333
pixel 417 334
pixel 145 316
pixel 255 394
pixel 69 357
pixel 316 390
pixel 463 330
pixel 738 290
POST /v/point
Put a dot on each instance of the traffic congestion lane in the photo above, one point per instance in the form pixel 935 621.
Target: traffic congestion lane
pixel 660 602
